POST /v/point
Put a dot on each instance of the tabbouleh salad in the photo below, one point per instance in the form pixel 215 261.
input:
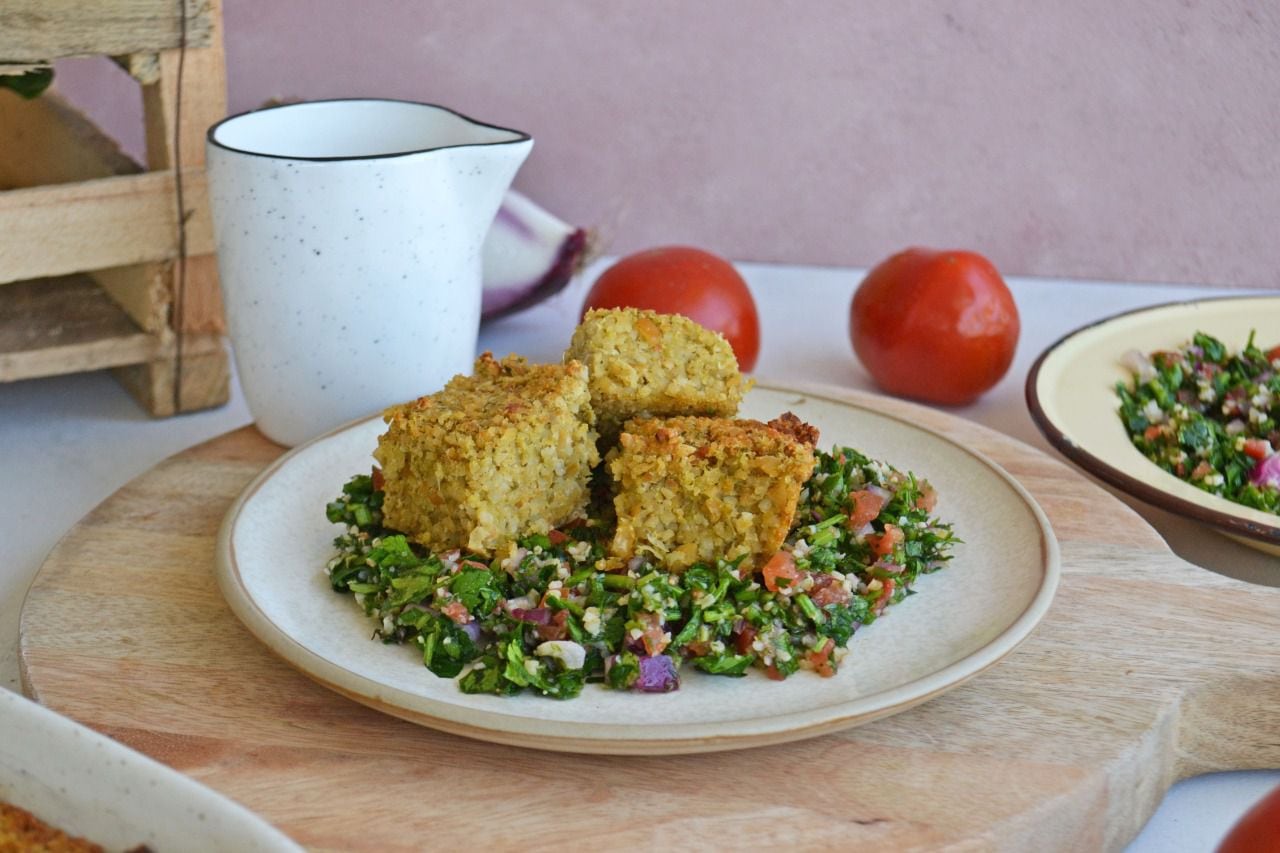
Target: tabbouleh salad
pixel 1209 417
pixel 547 618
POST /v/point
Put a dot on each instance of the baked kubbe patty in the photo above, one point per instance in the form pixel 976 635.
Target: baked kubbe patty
pixel 503 453
pixel 642 363
pixel 693 489
pixel 20 830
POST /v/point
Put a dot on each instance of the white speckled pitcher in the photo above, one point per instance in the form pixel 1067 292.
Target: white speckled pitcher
pixel 349 238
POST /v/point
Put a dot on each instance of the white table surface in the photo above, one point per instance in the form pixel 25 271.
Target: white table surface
pixel 67 443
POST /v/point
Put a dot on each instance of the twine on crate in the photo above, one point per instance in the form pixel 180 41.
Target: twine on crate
pixel 180 281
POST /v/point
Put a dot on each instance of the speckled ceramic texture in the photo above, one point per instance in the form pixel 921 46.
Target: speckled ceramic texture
pixel 349 238
pixel 88 785
pixel 1070 392
pixel 275 541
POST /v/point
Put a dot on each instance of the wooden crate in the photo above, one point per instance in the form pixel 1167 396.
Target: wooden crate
pixel 90 260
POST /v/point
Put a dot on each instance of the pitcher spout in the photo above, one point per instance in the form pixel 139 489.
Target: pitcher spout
pixel 483 172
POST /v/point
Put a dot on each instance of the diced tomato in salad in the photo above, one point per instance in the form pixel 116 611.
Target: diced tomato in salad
pixel 928 499
pixel 457 611
pixel 781 566
pixel 655 639
pixel 886 595
pixel 827 590
pixel 882 545
pixel 1257 448
pixel 820 658
pixel 866 505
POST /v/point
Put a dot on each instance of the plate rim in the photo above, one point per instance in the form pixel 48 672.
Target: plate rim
pixel 1222 520
pixel 647 739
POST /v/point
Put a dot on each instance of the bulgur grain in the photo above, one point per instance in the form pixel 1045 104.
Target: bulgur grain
pixel 644 363
pixel 500 454
pixel 692 489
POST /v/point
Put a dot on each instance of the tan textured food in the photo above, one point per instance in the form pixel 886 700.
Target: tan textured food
pixel 660 365
pixel 500 454
pixel 692 489
pixel 22 831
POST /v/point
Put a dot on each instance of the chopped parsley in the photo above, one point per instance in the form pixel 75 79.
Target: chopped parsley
pixel 546 617
pixel 1209 417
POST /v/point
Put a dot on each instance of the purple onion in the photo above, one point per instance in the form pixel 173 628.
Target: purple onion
pixel 1138 364
pixel 529 255
pixel 657 675
pixel 421 608
pixel 534 616
pixel 880 492
pixel 472 630
pixel 1266 472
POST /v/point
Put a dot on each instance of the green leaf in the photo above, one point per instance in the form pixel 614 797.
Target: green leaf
pixel 29 84
pixel 1213 349
pixel 1196 434
pixel 624 672
pixel 477 590
pixel 725 664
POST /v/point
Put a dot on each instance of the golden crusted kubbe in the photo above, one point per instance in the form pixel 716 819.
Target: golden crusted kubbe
pixel 693 489
pixel 500 454
pixel 644 363
pixel 21 830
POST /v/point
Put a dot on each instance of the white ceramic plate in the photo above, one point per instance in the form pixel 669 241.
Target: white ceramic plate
pixel 90 786
pixel 275 541
pixel 1070 392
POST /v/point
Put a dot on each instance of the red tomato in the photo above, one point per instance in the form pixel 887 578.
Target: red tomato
pixel 866 506
pixel 682 280
pixel 936 326
pixel 820 659
pixel 457 611
pixel 654 638
pixel 927 500
pixel 827 591
pixel 556 629
pixel 1259 830
pixel 1257 448
pixel 886 594
pixel 883 545
pixel 780 565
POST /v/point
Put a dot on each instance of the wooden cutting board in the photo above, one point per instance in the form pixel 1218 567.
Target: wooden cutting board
pixel 1145 671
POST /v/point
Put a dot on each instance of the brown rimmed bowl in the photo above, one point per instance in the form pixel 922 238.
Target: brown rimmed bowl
pixel 1070 392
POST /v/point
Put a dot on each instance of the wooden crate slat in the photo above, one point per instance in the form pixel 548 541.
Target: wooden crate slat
pixel 48 141
pixel 143 67
pixel 37 31
pixel 54 326
pixel 72 203
pixel 202 302
pixel 204 101
pixel 91 225
pixel 18 69
pixel 206 378
pixel 141 290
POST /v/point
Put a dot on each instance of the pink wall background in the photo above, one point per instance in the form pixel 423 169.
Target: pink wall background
pixel 1136 140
